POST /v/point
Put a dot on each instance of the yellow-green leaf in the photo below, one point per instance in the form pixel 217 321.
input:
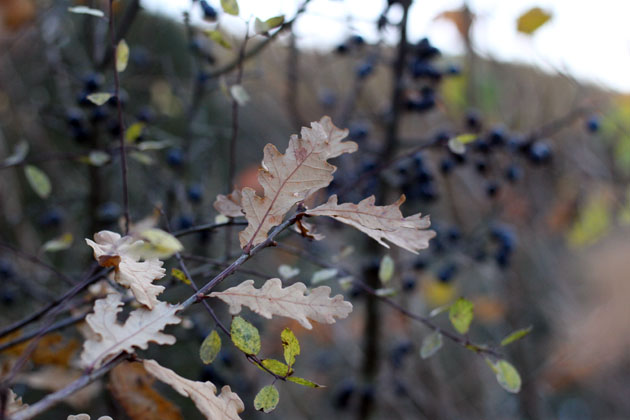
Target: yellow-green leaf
pixel 245 336
pixel 154 145
pixel 230 7
pixel 210 348
pixel 431 344
pixel 38 181
pixel 239 94
pixel 516 335
pixel 507 376
pixel 304 382
pixel 291 346
pixel 262 27
pixel 134 132
pixel 531 20
pixel 143 158
pixel 267 399
pixel 276 367
pixel 158 244
pixel 180 275
pixel 386 269
pixel 58 244
pixel 218 37
pixel 122 56
pixel 461 315
pixel 99 98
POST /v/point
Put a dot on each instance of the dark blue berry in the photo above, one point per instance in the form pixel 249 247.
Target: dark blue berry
pixel 98 114
pixel 428 192
pixel 145 115
pixel 513 173
pixel 342 49
pixel 185 221
pixel 364 69
pixel 358 131
pixel 482 146
pixel 453 70
pixel 481 166
pixel 6 269
pixel 539 152
pixel 175 157
pixel 327 98
pixel 423 69
pixel 446 273
pixel 108 212
pixel 420 264
pixel 83 101
pixel 492 189
pixel 343 394
pixel 497 136
pixel 453 234
pixel 93 82
pixel 8 298
pixel 425 50
pixel 209 12
pixel 593 124
pixel 409 283
pixel 51 218
pixel 357 40
pixel 473 120
pixel 446 165
pixel 74 117
pixel 195 193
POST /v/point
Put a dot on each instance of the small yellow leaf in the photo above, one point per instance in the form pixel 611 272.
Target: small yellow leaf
pixel 230 7
pixel 386 269
pixel 180 275
pixel 291 346
pixel 134 132
pixel 262 27
pixel 58 244
pixel 210 347
pixel 531 20
pixel 122 56
pixel 245 336
pixel 218 37
pixel 159 244
pixel 38 181
pixel 507 376
pixel 304 382
pixel 267 399
pixel 99 98
pixel 276 367
pixel 461 315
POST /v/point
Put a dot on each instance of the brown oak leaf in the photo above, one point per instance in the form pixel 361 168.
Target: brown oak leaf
pixel 229 205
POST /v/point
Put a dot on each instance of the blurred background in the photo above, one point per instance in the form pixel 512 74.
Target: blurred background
pixel 507 122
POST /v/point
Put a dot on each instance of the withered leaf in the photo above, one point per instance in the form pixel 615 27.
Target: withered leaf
pixel 224 406
pixel 380 222
pixel 142 326
pixel 291 302
pixel 229 205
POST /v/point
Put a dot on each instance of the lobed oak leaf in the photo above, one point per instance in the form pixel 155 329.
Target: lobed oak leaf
pixel 141 327
pixel 291 302
pixel 229 205
pixel 290 178
pixel 112 250
pixel 224 406
pixel 380 222
pixel 13 403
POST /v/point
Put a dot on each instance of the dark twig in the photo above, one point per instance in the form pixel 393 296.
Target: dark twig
pixel 34 259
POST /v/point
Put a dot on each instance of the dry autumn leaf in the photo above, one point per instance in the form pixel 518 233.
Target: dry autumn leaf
pixel 132 387
pixel 229 205
pixel 224 406
pixel 112 250
pixel 290 178
pixel 291 302
pixel 381 222
pixel 142 326
pixel 14 403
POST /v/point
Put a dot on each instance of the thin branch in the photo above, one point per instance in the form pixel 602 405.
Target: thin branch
pixel 121 123
pixel 209 226
pixel 34 259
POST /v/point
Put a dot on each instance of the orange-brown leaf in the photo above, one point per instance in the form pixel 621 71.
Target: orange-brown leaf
pixel 131 386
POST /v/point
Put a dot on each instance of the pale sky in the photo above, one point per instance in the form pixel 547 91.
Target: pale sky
pixel 590 40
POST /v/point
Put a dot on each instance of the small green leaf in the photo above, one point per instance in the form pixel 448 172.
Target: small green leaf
pixel 291 346
pixel 516 335
pixel 143 158
pixel 60 243
pixel 19 154
pixel 262 27
pixel 458 143
pixel 38 181
pixel 245 336
pixel 99 98
pixel 461 315
pixel 122 56
pixel 154 145
pixel 98 158
pixel 267 399
pixel 386 269
pixel 431 344
pixel 507 376
pixel 210 348
pixel 230 7
pixel 321 276
pixel 385 292
pixel 218 37
pixel 276 367
pixel 530 21
pixel 180 275
pixel 84 10
pixel 134 132
pixel 304 382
